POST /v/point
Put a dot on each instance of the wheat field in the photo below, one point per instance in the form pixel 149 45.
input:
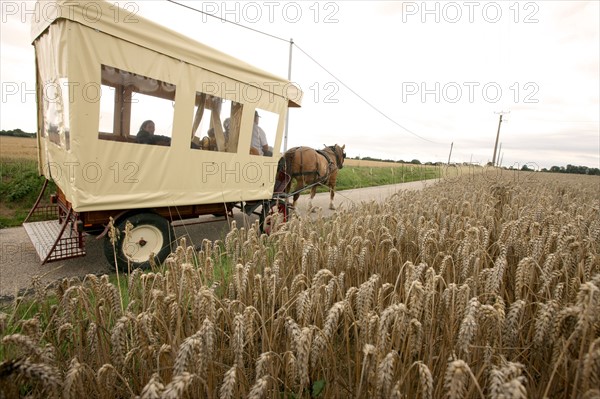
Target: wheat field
pixel 471 288
pixel 18 148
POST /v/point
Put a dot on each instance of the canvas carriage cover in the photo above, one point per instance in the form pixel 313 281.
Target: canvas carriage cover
pixel 72 40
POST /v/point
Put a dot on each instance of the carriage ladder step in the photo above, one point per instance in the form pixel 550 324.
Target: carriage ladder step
pixel 49 245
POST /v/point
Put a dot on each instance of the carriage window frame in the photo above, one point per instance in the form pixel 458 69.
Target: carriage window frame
pixel 216 123
pixel 128 93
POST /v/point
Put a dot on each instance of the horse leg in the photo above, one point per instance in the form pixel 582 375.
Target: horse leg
pixel 297 189
pixel 331 184
pixel 331 195
pixel 313 191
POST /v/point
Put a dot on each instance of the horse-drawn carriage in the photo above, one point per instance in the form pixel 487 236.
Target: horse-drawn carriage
pixel 100 74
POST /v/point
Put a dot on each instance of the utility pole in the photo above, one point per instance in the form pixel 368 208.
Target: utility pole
pixel 500 155
pixel 498 136
pixel 287 115
pixel 449 155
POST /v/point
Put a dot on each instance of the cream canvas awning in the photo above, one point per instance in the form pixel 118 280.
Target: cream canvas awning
pixel 101 16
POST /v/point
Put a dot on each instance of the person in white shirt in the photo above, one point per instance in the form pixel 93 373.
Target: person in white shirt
pixel 259 138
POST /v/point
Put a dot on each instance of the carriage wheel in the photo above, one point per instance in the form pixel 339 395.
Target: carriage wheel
pixel 273 213
pixel 150 234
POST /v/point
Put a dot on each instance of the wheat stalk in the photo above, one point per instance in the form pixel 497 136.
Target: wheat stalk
pixel 227 390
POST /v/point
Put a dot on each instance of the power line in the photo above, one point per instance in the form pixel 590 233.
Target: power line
pixel 231 22
pixel 362 98
pixel 313 60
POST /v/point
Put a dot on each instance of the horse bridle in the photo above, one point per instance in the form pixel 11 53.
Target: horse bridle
pixel 339 164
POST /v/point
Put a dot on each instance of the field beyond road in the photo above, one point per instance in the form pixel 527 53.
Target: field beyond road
pixel 26 148
pixel 18 148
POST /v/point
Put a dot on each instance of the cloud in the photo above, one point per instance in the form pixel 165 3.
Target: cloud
pixel 374 52
pixel 567 140
pixel 576 20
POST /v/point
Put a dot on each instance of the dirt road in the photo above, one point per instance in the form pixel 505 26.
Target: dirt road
pixel 19 262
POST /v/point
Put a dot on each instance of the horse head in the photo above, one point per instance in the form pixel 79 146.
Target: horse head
pixel 339 154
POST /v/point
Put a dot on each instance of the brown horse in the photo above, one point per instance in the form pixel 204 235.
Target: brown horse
pixel 310 167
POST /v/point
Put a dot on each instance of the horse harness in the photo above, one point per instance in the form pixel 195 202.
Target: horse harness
pixel 315 172
pixel 338 162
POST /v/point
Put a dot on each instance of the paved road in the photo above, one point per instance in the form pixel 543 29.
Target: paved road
pixel 19 261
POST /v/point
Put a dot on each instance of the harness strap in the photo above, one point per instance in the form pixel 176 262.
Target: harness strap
pixel 325 155
pixel 315 172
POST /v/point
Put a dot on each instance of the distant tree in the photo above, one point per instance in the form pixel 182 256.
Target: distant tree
pixel 580 170
pixel 525 167
pixel 416 162
pixel 16 133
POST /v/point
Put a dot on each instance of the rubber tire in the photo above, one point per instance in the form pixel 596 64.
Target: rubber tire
pixel 159 235
pixel 268 209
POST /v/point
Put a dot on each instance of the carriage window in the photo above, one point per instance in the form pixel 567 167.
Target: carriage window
pixel 216 124
pixel 264 131
pixel 56 102
pixel 135 108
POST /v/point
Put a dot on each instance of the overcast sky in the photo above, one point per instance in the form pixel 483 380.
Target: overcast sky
pixel 392 79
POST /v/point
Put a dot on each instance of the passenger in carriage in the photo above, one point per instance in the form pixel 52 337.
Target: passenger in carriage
pixel 211 143
pixel 146 135
pixel 259 138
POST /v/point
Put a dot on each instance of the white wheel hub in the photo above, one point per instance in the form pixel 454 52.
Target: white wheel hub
pixel 141 242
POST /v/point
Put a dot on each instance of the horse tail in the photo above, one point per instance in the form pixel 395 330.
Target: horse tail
pixel 288 159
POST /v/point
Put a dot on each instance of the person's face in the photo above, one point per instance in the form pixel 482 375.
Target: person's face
pixel 150 128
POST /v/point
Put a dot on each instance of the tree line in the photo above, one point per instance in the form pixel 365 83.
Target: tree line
pixel 580 170
pixel 16 133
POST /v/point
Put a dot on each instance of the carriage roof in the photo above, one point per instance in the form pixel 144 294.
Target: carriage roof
pixel 103 17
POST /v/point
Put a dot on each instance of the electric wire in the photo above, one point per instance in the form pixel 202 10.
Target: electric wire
pixel 231 22
pixel 362 98
pixel 313 60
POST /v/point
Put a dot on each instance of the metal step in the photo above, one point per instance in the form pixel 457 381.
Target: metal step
pixel 49 246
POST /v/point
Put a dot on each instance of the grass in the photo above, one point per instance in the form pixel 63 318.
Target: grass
pixel 20 183
pixel 360 177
